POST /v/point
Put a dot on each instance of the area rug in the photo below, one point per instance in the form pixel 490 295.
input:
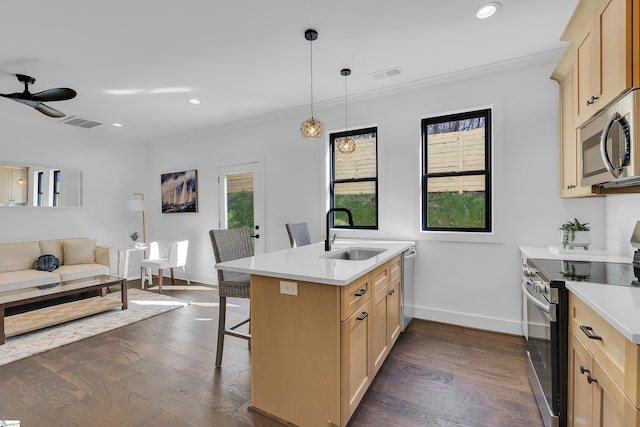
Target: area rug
pixel 142 305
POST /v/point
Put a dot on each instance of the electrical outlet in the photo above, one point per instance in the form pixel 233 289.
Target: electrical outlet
pixel 288 288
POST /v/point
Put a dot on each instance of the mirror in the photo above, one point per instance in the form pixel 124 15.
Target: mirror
pixel 40 186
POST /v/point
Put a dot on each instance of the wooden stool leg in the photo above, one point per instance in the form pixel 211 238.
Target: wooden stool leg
pixel 221 328
pixel 160 280
pixel 173 282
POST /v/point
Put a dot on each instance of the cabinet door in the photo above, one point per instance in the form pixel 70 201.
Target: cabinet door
pixel 568 146
pixel 394 311
pixel 614 61
pixel 608 400
pixel 5 185
pixel 579 390
pixel 584 71
pixel 356 358
pixel 379 331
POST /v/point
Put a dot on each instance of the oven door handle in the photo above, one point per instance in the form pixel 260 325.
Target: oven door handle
pixel 535 301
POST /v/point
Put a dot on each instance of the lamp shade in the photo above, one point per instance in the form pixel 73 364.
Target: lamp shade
pixel 135 205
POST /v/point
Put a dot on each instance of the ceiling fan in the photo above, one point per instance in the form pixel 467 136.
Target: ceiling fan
pixel 35 100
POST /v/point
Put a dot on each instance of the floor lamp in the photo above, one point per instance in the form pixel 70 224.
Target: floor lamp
pixel 137 205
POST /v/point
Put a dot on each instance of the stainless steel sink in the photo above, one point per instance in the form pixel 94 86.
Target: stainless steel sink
pixel 353 254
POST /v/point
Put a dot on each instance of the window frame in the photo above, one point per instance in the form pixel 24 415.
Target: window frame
pixel 487 172
pixel 332 177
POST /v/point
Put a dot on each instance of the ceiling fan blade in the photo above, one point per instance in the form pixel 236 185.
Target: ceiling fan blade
pixel 46 110
pixel 57 94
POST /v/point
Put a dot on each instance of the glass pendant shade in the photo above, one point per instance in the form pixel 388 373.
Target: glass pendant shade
pixel 346 145
pixel 311 128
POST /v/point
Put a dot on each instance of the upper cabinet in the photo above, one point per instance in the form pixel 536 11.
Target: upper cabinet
pixel 569 160
pixel 602 61
pixel 602 34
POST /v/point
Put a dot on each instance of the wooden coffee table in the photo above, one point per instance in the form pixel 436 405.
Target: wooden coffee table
pixel 60 313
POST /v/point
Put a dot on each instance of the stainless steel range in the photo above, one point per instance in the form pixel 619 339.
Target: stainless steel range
pixel 545 324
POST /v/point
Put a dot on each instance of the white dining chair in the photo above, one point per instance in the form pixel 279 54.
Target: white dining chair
pixel 176 257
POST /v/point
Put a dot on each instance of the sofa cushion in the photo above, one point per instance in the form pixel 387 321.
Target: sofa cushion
pixel 28 278
pixel 80 271
pixel 18 256
pixel 79 251
pixel 53 247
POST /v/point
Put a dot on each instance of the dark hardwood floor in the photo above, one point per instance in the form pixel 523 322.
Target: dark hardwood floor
pixel 159 372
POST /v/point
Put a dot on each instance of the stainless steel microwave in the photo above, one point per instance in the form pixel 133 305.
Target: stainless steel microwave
pixel 607 149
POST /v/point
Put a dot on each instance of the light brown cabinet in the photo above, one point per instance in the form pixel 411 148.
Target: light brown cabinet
pixel 314 354
pixel 603 66
pixel 569 160
pixel 13 185
pixel 602 372
pixel 601 62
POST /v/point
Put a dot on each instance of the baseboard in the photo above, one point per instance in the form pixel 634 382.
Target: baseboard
pixel 469 320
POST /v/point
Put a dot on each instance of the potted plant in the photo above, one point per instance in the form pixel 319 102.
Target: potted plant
pixel 575 234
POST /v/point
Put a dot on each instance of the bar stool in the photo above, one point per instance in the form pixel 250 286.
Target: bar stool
pixel 230 244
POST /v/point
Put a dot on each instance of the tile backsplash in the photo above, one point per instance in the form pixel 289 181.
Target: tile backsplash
pixel 621 214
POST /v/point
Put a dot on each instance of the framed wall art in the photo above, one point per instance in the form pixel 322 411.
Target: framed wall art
pixel 179 191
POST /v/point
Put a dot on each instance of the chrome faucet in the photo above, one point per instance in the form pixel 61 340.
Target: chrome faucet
pixel 329 241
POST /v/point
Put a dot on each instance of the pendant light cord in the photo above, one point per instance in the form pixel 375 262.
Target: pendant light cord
pixel 345 103
pixel 311 41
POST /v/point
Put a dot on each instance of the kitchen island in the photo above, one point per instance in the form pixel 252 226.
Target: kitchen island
pixel 321 327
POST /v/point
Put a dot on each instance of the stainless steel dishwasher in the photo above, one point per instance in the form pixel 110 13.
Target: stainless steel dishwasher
pixel 408 285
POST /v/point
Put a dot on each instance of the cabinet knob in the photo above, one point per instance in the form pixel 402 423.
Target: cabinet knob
pixel 391 292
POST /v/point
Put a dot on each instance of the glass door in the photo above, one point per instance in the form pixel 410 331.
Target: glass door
pixel 242 200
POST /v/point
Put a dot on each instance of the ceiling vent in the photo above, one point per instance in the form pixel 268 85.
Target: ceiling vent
pixel 391 72
pixel 82 123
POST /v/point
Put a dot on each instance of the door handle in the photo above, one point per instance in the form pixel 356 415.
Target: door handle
pixel 255 236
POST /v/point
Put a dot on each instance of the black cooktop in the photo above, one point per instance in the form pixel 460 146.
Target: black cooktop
pixel 606 273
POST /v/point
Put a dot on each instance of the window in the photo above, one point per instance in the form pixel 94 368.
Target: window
pixel 40 188
pixel 56 188
pixel 354 179
pixel 456 172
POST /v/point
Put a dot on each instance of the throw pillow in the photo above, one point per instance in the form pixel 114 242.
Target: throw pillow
pixel 46 262
pixel 79 251
pixel 52 247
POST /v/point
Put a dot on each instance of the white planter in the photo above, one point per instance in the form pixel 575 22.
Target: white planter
pixel 579 239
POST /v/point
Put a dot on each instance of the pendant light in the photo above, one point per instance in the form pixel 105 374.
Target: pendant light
pixel 346 145
pixel 311 128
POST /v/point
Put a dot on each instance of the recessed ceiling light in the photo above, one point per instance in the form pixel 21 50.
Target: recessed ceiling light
pixel 118 125
pixel 487 10
pixel 194 101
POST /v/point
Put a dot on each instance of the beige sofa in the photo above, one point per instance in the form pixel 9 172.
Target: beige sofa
pixel 79 258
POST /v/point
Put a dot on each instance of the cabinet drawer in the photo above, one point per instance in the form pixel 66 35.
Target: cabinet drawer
pixel 380 277
pixel 618 356
pixel 395 266
pixel 354 294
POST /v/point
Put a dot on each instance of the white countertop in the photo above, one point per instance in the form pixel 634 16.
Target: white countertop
pixel 618 305
pixel 573 255
pixel 306 264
